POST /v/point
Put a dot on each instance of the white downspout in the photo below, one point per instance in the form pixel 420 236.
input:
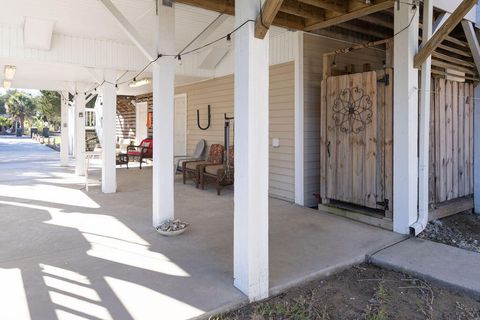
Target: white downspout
pixel 424 125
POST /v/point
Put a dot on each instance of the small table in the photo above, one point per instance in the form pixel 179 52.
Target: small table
pixel 96 154
pixel 122 158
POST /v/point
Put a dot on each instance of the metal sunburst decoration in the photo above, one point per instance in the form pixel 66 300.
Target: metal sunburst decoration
pixel 352 110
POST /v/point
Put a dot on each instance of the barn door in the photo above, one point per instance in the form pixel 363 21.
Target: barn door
pixel 354 116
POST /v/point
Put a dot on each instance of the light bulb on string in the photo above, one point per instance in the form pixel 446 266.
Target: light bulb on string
pixel 229 41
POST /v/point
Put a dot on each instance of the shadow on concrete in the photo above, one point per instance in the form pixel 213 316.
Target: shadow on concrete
pixel 97 255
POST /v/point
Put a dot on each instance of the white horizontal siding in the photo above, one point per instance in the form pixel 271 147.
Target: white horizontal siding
pixel 218 93
pixel 66 49
pixel 281 51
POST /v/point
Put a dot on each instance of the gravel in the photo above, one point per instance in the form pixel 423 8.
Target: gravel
pixel 461 230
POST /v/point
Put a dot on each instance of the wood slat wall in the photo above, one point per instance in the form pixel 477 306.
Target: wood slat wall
pixel 314 48
pixel 126 117
pixel 219 93
pixel 148 98
pixel 451 140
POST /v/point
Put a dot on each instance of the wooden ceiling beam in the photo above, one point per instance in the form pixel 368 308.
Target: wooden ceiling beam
pixel 289 21
pixel 228 7
pixel 377 21
pixel 300 9
pixel 366 31
pixel 221 6
pixel 333 5
pixel 266 16
pixel 357 12
pixel 443 32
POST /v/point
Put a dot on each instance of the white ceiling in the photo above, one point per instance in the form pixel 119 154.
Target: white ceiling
pixel 90 19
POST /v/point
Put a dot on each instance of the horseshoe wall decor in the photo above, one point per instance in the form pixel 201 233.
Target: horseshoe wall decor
pixel 209 119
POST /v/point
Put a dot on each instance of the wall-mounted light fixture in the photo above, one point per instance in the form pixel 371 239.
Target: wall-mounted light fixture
pixel 10 72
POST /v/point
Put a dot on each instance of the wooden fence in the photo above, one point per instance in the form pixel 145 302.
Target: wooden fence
pixel 451 140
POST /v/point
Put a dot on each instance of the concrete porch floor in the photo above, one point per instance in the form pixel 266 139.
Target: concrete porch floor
pixel 69 254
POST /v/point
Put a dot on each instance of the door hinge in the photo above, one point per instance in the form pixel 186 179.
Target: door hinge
pixel 383 203
pixel 385 79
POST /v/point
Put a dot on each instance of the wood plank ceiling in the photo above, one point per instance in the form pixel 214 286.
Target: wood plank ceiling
pixel 307 15
pixel 357 21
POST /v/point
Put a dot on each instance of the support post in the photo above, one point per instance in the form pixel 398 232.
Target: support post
pixel 80 134
pixel 109 111
pixel 251 160
pixel 64 129
pixel 405 115
pixel 163 118
pixel 476 151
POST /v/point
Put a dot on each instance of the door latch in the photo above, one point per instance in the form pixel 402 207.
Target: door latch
pixel 385 79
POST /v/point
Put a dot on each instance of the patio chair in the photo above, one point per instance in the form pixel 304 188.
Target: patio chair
pixel 192 169
pixel 142 151
pixel 121 150
pixel 197 155
pixel 220 174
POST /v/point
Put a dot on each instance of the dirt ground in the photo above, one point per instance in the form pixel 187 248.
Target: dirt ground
pixel 461 230
pixel 363 292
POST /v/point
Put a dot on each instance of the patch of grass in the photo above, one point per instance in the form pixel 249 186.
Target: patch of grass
pixel 377 309
pixel 299 308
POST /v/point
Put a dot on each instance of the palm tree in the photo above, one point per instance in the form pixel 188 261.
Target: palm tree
pixel 20 105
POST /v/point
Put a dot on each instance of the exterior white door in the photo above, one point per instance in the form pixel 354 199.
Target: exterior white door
pixel 141 125
pixel 180 124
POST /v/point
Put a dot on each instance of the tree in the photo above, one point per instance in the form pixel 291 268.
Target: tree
pixel 20 105
pixel 49 106
pixel 3 100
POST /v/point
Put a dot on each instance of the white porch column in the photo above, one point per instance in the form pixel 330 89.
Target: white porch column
pixel 251 155
pixel 80 134
pixel 71 128
pixel 405 115
pixel 163 118
pixel 476 150
pixel 109 172
pixel 64 129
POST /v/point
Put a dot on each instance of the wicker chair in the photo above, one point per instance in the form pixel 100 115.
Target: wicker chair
pixel 220 174
pixel 192 169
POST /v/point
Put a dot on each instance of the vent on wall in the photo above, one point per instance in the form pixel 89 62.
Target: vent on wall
pixel 37 33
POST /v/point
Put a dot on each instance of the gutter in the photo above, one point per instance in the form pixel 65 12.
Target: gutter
pixel 424 126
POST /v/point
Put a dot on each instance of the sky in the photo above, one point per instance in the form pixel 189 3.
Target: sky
pixel 30 91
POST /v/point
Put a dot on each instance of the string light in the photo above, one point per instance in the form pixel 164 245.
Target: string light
pixel 228 38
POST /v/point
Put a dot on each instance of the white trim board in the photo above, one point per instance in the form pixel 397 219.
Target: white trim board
pixel 299 120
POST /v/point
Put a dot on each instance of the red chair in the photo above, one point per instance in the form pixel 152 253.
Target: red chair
pixel 142 151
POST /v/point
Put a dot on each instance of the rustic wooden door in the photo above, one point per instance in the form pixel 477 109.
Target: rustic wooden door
pixel 357 138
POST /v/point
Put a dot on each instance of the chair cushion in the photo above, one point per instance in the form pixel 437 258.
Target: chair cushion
pixel 213 169
pixel 134 153
pixel 192 165
pixel 231 155
pixel 215 155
